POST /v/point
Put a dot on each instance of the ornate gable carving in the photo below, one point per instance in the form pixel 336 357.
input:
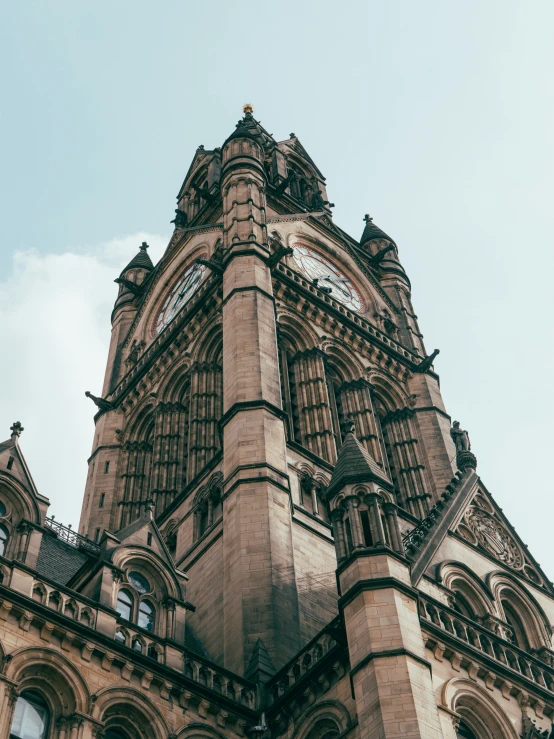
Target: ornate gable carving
pixel 483 526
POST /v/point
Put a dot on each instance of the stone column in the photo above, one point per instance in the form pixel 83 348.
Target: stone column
pixel 316 426
pixel 169 456
pixel 260 597
pixel 357 405
pixel 390 674
pixel 409 470
pixel 205 413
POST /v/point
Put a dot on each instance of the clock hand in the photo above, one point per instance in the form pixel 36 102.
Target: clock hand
pixel 339 287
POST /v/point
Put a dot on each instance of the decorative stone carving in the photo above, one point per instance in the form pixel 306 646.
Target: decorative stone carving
pixel 494 538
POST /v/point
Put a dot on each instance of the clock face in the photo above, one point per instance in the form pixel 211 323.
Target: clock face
pixel 316 267
pixel 181 292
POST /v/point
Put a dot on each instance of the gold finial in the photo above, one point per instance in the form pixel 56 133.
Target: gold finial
pixel 247 108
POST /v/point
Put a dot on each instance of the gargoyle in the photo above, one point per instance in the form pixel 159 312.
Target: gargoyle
pixel 378 258
pixel 132 286
pixel 204 193
pixel 427 362
pixel 211 264
pixel 278 254
pixel 104 405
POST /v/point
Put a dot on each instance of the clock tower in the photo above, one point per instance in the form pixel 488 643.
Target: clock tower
pixel 233 366
pixel 282 532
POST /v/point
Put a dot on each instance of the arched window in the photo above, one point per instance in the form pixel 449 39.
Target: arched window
pixel 519 637
pixel 461 604
pixel 289 394
pixel 124 605
pixel 3 539
pixel 31 717
pixel 464 732
pixel 120 637
pixel 146 616
pixel 3 510
pixel 334 381
pixel 137 645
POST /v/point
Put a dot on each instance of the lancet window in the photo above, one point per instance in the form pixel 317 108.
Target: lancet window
pixel 137 606
pixel 364 518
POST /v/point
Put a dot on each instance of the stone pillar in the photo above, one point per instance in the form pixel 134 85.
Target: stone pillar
pixel 357 405
pixel 205 413
pixel 390 674
pixel 409 470
pixel 316 426
pixel 260 598
pixel 169 456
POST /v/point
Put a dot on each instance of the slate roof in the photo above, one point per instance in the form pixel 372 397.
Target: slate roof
pixel 371 231
pixel 141 260
pixel 240 132
pixel 58 561
pixel 355 464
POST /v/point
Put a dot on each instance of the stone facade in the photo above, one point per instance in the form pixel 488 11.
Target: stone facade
pixel 282 534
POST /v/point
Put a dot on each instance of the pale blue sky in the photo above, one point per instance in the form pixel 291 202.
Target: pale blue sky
pixel 435 117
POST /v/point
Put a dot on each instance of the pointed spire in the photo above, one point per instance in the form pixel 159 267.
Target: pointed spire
pixel 371 231
pixel 16 429
pixel 354 464
pixel 260 667
pixel 141 259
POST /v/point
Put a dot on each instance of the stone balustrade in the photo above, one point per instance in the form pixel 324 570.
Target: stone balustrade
pixel 450 634
pixel 354 317
pixel 303 664
pixel 213 677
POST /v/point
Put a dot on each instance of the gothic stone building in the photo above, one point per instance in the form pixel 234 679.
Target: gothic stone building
pixel 282 534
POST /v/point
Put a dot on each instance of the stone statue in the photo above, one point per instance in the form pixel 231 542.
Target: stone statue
pixel 460 438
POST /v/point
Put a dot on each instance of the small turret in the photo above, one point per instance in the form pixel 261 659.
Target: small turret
pixel 131 283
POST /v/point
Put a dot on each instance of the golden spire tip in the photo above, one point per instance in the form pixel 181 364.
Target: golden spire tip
pixel 247 108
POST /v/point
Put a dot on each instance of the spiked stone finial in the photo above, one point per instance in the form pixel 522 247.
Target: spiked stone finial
pixel 144 246
pixel 16 429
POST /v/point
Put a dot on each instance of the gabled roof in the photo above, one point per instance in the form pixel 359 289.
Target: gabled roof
pixel 17 468
pixel 355 464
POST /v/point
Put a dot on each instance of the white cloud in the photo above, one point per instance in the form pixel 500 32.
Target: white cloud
pixel 54 333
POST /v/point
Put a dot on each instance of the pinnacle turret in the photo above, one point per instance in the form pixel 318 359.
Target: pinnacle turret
pixel 371 231
pixel 354 464
pixel 141 260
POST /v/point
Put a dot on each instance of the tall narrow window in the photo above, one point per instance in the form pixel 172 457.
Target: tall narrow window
pixel 31 717
pixel 366 528
pixel 11 460
pixel 288 391
pixel 146 616
pixel 124 605
pixel 519 637
pixel 97 535
pixel 102 499
pixel 337 415
pixel 3 539
pixel 106 468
